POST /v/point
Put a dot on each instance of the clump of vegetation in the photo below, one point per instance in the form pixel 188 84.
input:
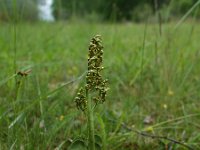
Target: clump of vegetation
pixel 95 89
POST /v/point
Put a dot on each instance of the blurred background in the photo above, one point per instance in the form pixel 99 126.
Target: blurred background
pixel 96 11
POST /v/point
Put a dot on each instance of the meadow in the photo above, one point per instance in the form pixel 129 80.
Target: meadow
pixel 154 82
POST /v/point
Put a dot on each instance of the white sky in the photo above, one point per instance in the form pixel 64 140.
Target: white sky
pixel 45 10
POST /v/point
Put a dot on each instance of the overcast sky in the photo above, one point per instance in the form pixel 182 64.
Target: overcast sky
pixel 46 10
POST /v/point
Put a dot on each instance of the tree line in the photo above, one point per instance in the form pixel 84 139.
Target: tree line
pixel 98 10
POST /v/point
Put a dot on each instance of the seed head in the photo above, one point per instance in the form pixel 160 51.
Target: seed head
pixel 94 80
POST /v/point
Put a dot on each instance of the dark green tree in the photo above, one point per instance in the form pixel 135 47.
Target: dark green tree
pixel 15 10
pixel 118 10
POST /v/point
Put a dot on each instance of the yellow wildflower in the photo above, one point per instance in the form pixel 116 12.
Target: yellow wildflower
pixel 61 118
pixel 170 92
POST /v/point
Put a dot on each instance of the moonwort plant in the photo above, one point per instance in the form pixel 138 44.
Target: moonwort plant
pixel 95 89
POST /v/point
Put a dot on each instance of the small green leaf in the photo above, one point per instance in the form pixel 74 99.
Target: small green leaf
pixel 78 145
pixel 98 142
pixel 98 139
pixel 98 146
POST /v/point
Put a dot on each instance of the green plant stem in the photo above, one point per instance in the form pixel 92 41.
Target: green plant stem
pixel 90 119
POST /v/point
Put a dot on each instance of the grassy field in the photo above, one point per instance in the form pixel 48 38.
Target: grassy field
pixel 153 78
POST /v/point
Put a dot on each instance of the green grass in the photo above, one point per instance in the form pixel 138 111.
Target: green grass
pixel 148 74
